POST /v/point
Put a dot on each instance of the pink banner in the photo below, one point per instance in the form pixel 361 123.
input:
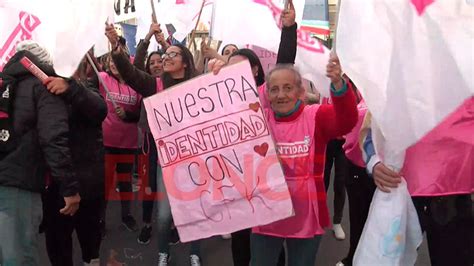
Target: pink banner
pixel 267 58
pixel 219 161
pixel 27 23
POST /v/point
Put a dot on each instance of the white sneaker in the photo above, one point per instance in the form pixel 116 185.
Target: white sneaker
pixel 340 264
pixel 195 261
pixel 338 232
pixel 163 259
pixel 226 236
pixel 94 262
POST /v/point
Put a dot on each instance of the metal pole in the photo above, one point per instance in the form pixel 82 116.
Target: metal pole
pixel 211 32
pixel 335 26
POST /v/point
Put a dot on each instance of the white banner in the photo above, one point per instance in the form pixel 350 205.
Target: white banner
pixel 260 26
pixel 67 34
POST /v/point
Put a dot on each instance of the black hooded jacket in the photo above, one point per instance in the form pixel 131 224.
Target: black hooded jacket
pixel 40 122
pixel 87 110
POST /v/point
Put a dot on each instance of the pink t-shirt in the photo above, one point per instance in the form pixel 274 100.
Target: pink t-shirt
pixel 295 144
pixel 117 133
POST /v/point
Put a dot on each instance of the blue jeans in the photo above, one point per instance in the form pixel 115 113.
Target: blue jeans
pixel 265 250
pixel 165 219
pixel 20 216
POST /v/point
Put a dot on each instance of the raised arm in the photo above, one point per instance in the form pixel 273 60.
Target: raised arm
pixel 340 117
pixel 140 81
pixel 141 54
pixel 288 40
pixel 142 47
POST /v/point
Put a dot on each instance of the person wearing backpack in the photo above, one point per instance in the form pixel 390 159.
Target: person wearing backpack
pixel 39 131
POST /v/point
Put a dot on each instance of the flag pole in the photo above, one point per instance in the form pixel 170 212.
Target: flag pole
pixel 193 34
pixel 211 32
pixel 153 13
pixel 335 26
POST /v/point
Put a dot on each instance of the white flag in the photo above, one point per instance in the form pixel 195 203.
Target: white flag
pixel 183 15
pixel 256 22
pixel 411 59
pixel 67 34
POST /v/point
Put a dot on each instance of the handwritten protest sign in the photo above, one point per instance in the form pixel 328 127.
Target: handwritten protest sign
pixel 219 161
pixel 267 58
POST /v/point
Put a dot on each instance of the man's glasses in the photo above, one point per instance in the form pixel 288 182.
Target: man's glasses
pixel 170 55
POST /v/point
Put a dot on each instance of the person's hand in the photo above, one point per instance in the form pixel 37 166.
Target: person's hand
pixel 56 85
pixel 334 72
pixel 120 112
pixel 154 29
pixel 160 38
pixel 207 51
pixel 312 98
pixel 215 65
pixel 111 34
pixel 385 178
pixel 71 205
pixel 288 16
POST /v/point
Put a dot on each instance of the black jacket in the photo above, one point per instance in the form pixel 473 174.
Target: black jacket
pixel 87 110
pixel 40 121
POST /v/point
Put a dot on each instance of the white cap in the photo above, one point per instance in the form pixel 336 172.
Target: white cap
pixel 36 49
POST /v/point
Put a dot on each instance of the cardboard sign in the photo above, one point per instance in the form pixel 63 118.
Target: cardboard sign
pixel 219 161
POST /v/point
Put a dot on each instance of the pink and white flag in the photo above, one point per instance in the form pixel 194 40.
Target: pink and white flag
pixel 260 25
pixel 412 61
pixel 67 33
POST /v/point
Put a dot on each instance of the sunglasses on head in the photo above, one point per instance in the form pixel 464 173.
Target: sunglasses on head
pixel 170 55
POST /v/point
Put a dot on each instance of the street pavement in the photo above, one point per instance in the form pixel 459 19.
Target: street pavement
pixel 215 251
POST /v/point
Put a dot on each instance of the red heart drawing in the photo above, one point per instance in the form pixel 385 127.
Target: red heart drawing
pixel 254 106
pixel 262 149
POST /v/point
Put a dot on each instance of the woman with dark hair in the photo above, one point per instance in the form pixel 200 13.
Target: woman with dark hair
pixel 251 56
pixel 154 63
pixel 120 133
pixel 229 49
pixel 178 66
pixel 154 67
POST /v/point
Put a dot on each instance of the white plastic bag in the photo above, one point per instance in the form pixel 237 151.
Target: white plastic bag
pixel 392 232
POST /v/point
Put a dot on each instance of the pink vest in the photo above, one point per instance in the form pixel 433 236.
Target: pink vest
pixel 351 146
pixel 117 133
pixel 295 147
pixel 442 163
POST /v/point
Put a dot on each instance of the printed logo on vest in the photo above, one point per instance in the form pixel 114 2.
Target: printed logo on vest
pixel 124 99
pixel 294 149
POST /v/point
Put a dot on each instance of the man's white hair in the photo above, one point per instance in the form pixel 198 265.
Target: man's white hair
pixel 36 49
